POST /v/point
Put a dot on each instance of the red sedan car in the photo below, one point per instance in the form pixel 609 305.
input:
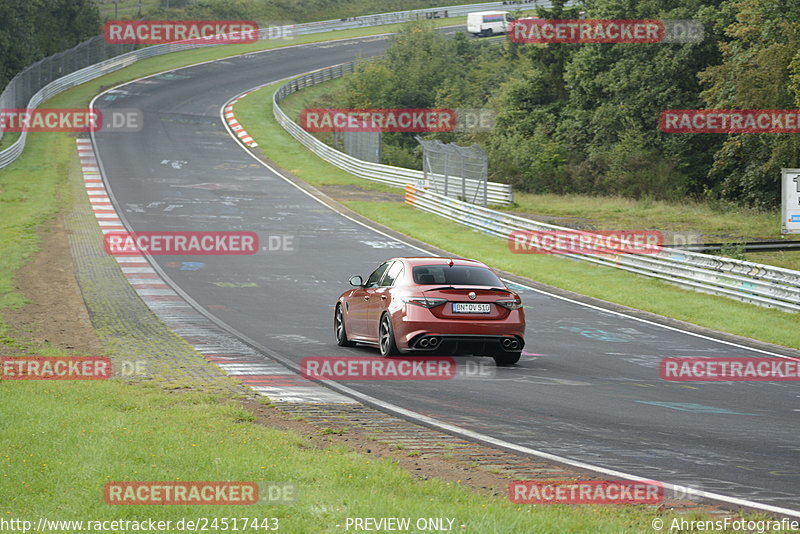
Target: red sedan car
pixel 432 305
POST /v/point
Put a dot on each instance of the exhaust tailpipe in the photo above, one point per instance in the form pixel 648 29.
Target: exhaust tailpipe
pixel 423 342
pixel 434 341
pixel 506 343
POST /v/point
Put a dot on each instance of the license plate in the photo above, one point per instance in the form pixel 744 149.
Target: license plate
pixel 471 307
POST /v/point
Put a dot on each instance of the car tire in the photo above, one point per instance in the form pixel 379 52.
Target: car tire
pixel 386 337
pixel 509 358
pixel 339 328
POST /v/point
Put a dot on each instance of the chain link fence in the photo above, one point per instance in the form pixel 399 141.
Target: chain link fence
pixel 364 145
pixel 19 91
pixel 497 193
pixel 448 167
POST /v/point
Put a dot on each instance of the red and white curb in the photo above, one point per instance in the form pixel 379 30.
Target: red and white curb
pixel 237 128
pixel 257 371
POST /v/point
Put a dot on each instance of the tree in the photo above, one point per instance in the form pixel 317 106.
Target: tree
pixel 33 29
pixel 760 70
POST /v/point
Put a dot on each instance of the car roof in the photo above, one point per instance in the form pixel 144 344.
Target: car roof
pixel 438 260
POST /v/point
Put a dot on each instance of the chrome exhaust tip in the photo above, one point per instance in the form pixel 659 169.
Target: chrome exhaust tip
pixel 423 342
pixel 434 341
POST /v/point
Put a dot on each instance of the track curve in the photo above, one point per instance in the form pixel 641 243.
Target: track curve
pixel 590 391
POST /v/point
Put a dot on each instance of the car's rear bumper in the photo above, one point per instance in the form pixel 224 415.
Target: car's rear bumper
pixel 462 337
pixel 463 344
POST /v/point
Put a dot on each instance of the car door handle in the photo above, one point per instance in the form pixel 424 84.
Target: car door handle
pixel 366 297
pixel 383 297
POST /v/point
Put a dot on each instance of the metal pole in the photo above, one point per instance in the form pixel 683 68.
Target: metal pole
pixel 446 176
pixel 485 172
pixel 463 180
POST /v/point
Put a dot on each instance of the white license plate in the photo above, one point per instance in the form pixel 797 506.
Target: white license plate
pixel 470 307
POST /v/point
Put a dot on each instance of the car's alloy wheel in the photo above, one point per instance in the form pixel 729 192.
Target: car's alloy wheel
pixel 339 329
pixel 386 333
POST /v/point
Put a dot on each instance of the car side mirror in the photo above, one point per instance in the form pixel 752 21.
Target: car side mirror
pixel 357 281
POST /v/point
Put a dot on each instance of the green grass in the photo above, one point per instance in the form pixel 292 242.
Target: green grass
pixel 9 138
pixel 28 198
pixel 613 285
pixel 62 442
pixel 719 221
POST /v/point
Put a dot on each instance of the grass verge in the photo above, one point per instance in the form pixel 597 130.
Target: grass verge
pixel 89 434
pixel 613 285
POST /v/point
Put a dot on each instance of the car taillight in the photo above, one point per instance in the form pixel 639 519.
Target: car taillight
pixel 425 302
pixel 509 304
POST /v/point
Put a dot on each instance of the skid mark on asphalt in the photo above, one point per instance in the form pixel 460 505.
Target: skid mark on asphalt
pixel 694 408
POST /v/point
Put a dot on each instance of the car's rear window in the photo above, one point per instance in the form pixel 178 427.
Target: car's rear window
pixel 455 275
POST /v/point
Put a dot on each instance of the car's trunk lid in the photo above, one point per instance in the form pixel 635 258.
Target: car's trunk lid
pixel 460 306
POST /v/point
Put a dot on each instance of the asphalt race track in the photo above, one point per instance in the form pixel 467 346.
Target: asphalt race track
pixel 587 390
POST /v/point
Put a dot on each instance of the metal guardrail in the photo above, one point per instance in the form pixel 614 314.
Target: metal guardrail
pixel 94 58
pixel 496 193
pixel 764 285
pixel 749 246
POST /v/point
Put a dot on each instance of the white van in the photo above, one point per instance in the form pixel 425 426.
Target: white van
pixel 485 23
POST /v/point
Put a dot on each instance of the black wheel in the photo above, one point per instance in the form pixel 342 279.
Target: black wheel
pixel 339 329
pixel 489 32
pixel 509 358
pixel 386 334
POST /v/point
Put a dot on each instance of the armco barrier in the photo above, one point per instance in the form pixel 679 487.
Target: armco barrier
pixel 397 176
pixel 94 58
pixel 764 285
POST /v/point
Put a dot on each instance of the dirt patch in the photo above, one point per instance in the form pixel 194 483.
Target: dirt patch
pixel 344 193
pixel 56 314
pixel 423 468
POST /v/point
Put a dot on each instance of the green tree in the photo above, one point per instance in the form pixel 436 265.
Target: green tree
pixel 33 29
pixel 761 70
